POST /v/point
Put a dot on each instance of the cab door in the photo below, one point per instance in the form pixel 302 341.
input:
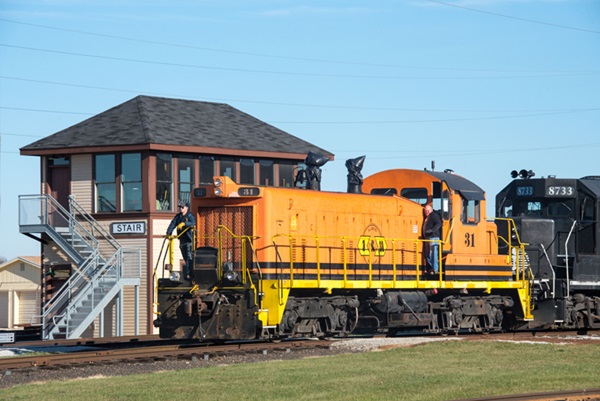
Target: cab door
pixel 587 227
pixel 442 203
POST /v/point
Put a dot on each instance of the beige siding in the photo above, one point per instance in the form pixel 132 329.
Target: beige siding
pixel 160 225
pixel 128 243
pixel 143 292
pixel 158 243
pixel 20 276
pixel 81 180
pixel 19 293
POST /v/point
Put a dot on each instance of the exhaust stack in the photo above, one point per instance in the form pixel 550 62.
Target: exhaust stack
pixel 355 178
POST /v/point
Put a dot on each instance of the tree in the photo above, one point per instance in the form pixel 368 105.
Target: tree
pixel 2 259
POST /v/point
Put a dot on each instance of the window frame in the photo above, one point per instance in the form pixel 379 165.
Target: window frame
pixel 190 163
pixel 247 171
pixel 266 172
pixel 207 169
pixel 125 182
pixel 164 184
pixel 105 185
pixel 471 211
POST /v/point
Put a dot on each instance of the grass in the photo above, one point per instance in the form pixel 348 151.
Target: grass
pixel 435 371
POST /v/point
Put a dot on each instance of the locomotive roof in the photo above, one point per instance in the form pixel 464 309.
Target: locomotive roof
pixel 592 183
pixel 466 188
pixel 146 121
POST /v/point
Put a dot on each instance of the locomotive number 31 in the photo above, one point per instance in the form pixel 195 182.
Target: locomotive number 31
pixel 470 239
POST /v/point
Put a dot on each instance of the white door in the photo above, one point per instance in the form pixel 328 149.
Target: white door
pixel 29 306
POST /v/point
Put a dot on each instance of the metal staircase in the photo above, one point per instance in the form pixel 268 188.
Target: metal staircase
pixel 101 268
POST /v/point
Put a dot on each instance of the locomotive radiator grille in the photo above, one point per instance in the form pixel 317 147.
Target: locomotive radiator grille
pixel 238 219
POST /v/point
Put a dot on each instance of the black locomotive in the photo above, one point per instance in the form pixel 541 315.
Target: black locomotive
pixel 557 219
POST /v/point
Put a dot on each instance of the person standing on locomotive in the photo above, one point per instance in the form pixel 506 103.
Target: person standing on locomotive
pixel 185 223
pixel 432 232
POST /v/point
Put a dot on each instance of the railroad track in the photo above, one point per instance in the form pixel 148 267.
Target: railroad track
pixel 151 353
pixel 572 395
pixel 153 348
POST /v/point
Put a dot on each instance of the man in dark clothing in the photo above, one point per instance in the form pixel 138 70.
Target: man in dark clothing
pixel 432 232
pixel 184 221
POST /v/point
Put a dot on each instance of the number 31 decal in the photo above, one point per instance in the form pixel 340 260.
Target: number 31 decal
pixel 470 239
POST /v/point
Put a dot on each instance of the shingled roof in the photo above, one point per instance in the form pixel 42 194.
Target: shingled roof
pixel 146 120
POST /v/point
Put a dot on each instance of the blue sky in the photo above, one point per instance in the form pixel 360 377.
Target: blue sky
pixel 479 86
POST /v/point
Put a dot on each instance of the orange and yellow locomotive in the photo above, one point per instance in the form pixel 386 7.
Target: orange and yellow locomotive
pixel 287 262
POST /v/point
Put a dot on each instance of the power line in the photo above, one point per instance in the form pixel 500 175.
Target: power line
pixel 437 120
pixel 475 152
pixel 254 54
pixel 320 106
pixel 515 18
pixel 274 72
pixel 23 135
pixel 550 113
pixel 45 110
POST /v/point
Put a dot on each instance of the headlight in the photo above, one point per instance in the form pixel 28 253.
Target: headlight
pixel 175 276
pixel 218 191
pixel 230 276
pixel 218 182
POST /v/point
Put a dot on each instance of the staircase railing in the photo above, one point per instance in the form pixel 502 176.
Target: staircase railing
pixel 43 213
pixel 83 294
pixel 57 309
pixel 95 280
pixel 85 218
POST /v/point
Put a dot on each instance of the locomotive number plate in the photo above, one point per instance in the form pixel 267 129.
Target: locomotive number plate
pixel 524 191
pixel 559 191
pixel 248 191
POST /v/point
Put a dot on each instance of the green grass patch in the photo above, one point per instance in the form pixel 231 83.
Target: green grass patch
pixel 434 371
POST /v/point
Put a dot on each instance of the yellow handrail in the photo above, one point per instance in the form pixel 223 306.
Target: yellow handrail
pixel 343 243
pixel 522 272
pixel 246 240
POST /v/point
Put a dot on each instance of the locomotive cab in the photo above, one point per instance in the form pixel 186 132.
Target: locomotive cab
pixel 557 218
pixel 466 235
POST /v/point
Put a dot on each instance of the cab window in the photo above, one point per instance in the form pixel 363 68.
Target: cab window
pixel 418 195
pixel 470 211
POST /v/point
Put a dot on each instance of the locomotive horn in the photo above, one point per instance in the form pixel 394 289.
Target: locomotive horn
pixel 526 174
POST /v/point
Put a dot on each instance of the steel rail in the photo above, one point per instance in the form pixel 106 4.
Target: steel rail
pixel 85 341
pixel 151 353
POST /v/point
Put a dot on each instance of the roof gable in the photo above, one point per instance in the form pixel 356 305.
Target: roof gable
pixel 31 261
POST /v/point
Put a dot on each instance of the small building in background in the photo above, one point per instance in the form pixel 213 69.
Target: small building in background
pixel 20 292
